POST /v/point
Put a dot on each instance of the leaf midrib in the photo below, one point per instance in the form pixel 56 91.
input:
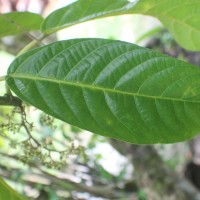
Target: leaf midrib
pixel 95 87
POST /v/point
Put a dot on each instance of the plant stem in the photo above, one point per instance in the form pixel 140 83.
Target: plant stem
pixel 10 101
pixel 31 44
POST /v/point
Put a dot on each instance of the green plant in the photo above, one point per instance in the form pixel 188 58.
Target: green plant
pixel 111 88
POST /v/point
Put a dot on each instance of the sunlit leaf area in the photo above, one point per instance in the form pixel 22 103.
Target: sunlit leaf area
pixel 72 123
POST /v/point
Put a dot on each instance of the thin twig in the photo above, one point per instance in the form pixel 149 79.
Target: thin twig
pixel 24 124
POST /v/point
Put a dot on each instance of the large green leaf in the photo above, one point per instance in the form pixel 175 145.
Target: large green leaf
pixel 19 22
pixel 111 88
pixel 181 18
pixel 7 193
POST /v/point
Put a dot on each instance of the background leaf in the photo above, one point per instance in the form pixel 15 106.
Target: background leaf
pixel 111 88
pixel 182 19
pixel 19 22
pixel 81 11
pixel 6 192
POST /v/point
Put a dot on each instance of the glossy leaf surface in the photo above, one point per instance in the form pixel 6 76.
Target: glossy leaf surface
pixel 7 193
pixel 19 22
pixel 111 88
pixel 182 19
